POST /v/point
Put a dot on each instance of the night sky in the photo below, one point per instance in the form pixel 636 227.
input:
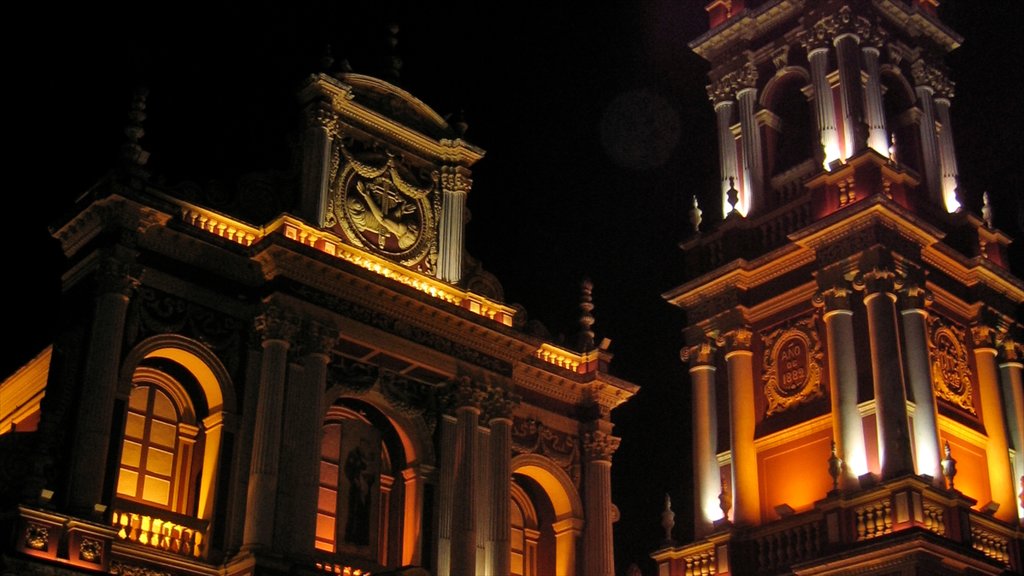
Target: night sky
pixel 595 121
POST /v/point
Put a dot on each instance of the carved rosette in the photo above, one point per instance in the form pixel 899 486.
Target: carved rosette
pixel 276 323
pixel 378 205
pixel 702 354
pixel 791 370
pixel 951 373
pixel 37 537
pixel 90 550
pixel 598 445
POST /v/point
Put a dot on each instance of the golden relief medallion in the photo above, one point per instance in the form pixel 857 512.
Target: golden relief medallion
pixel 792 366
pixel 951 374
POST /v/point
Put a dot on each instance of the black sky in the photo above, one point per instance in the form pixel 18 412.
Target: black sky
pixel 595 121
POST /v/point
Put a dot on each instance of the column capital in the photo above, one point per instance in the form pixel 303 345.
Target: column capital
pixel 834 297
pixel 878 279
pixel 1010 351
pixel 702 354
pixel 736 340
pixel 456 179
pixel 115 276
pixel 322 115
pixel 928 76
pixel 499 404
pixel 816 38
pixel 984 336
pixel 599 446
pixel 465 392
pixel 319 338
pixel 914 296
pixel 277 323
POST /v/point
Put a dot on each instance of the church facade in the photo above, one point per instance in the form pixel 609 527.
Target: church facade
pixel 853 337
pixel 337 390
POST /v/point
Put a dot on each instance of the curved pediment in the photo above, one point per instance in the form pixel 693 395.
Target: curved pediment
pixel 395 103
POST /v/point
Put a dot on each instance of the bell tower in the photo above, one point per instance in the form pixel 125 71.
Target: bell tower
pixel 852 334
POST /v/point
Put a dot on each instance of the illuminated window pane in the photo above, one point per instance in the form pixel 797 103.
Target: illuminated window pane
pixel 162 406
pixel 159 461
pixel 325 527
pixel 138 399
pixel 328 500
pixel 331 446
pixel 135 425
pixel 328 474
pixel 162 434
pixel 131 452
pixel 127 482
pixel 157 490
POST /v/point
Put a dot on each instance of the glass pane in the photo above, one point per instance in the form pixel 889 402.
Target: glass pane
pixel 328 501
pixel 137 400
pixel 162 434
pixel 325 527
pixel 162 407
pixel 134 425
pixel 156 490
pixel 159 461
pixel 331 442
pixel 127 482
pixel 328 474
pixel 130 453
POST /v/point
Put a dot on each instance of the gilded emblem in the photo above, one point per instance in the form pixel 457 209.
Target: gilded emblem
pixel 951 375
pixel 792 366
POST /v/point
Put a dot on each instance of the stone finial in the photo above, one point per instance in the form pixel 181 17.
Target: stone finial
pixel 986 209
pixel 835 467
pixel 586 336
pixel 695 214
pixel 732 196
pixel 948 466
pixel 668 519
pixel 327 59
pixel 725 498
pixel 395 63
pixel 892 147
pixel 133 156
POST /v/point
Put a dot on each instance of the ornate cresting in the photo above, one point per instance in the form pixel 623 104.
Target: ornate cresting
pixel 792 366
pixel 951 373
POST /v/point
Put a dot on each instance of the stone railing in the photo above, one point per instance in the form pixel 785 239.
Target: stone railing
pixel 790 541
pixel 934 517
pixel 873 519
pixel 986 538
pixel 162 530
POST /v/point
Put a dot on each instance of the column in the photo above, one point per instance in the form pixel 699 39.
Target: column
pixel 483 494
pixel 115 283
pixel 598 447
pixel 817 53
pixel 305 419
pixel 847 426
pixel 997 449
pixel 751 138
pixel 277 328
pixel 467 414
pixel 877 283
pixel 746 502
pixel 446 494
pixel 706 475
pixel 321 127
pixel 415 479
pixel 878 135
pixel 500 551
pixel 929 155
pixel 721 95
pixel 927 453
pixel 851 96
pixel 455 186
pixel 947 156
pixel 1010 368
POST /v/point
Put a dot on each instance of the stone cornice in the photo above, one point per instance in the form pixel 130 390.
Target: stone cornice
pixel 102 213
pixel 918 22
pixel 745 26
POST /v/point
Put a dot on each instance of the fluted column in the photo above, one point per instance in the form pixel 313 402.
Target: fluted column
pixel 446 494
pixel 997 450
pixel 321 127
pixel 817 53
pixel 721 94
pixel 499 411
pixel 598 555
pixel 847 426
pixel 750 135
pixel 913 299
pixel 706 475
pixel 1010 369
pixel 877 281
pixel 304 423
pixel 467 398
pixel 878 135
pixel 746 503
pixel 850 92
pixel 947 154
pixel 929 154
pixel 115 283
pixel 277 328
pixel 455 186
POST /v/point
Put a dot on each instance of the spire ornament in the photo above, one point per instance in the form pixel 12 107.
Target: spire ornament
pixel 732 196
pixel 986 209
pixel 835 467
pixel 668 520
pixel 948 466
pixel 585 340
pixel 695 214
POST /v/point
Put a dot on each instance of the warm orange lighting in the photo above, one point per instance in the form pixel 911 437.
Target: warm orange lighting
pixel 795 474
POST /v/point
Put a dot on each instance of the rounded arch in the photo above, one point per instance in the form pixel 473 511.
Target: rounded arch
pixel 195 357
pixel 413 433
pixel 783 76
pixel 556 483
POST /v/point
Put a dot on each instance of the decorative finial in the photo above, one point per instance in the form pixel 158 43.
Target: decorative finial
pixel 986 209
pixel 835 467
pixel 695 214
pixel 725 499
pixel 132 153
pixel 327 60
pixel 460 124
pixel 732 196
pixel 395 69
pixel 668 519
pixel 948 466
pixel 586 336
pixel 892 147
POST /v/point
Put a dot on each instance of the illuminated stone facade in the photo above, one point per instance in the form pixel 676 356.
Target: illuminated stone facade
pixel 330 391
pixel 852 341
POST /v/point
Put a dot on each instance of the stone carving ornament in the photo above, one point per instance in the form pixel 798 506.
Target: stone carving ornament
pixel 947 355
pixel 792 366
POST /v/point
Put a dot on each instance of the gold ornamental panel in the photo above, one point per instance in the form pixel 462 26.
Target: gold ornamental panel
pixel 792 366
pixel 947 356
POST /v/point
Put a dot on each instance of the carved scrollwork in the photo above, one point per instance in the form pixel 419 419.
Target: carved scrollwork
pixel 532 437
pixel 598 445
pixel 951 373
pixel 90 550
pixel 276 323
pixel 354 376
pixel 792 366
pixel 121 569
